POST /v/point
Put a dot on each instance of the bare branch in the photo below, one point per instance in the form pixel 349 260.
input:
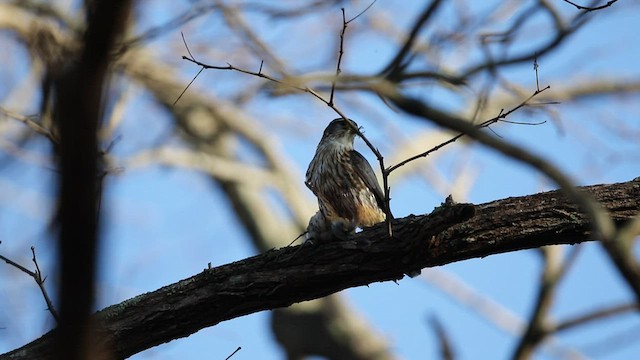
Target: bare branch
pixel 233 353
pixel 591 8
pixel 37 277
pixel 31 124
pixel 444 341
pixel 534 332
pixel 398 62
pixel 281 277
pixel 340 53
pixel 599 219
pixel 501 116
pixel 593 316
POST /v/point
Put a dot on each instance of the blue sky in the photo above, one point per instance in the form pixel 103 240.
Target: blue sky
pixel 163 224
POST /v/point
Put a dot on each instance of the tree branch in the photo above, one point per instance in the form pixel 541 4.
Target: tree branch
pixel 285 276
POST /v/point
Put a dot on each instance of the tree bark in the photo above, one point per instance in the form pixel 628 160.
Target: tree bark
pixel 279 278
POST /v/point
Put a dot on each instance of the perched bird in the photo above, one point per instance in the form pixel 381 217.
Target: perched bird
pixel 347 189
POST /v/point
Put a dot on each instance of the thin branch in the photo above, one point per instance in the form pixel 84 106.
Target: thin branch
pixel 18 266
pixel 281 277
pixel 620 252
pixel 534 332
pixel 40 281
pixel 233 353
pixel 362 12
pixel 535 68
pixel 605 228
pixel 594 8
pixel 593 316
pixel 499 118
pixel 37 277
pixel 444 341
pixel 562 33
pixel 397 63
pixel 31 124
pixel 187 87
pixel 184 41
pixel 340 53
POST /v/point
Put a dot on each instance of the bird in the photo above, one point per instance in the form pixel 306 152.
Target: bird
pixel 348 192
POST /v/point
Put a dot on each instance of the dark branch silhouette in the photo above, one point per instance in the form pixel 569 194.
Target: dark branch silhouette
pixel 279 278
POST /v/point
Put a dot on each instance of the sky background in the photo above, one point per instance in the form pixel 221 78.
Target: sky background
pixel 162 224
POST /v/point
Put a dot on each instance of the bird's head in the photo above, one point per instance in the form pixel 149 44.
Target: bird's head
pixel 339 131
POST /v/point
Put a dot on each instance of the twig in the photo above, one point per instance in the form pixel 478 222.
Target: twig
pixel 37 277
pixel 185 45
pixel 195 77
pixel 602 223
pixel 362 12
pixel 340 53
pixel 594 8
pixel 499 118
pixel 446 348
pixel 233 353
pixel 534 332
pixel 31 124
pixel 535 68
pixel 397 63
pixel 593 316
pixel 40 281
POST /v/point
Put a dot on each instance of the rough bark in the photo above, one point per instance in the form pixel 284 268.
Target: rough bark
pixel 285 276
pixel 79 94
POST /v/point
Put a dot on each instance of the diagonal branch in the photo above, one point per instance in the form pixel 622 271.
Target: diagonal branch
pixel 598 218
pixel 396 65
pixel 37 277
pixel 282 277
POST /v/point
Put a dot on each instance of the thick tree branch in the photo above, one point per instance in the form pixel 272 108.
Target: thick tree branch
pixel 282 277
pixel 77 111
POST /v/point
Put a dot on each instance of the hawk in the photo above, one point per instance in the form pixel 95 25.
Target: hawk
pixel 347 189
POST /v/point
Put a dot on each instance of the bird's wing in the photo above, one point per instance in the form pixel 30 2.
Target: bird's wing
pixel 364 170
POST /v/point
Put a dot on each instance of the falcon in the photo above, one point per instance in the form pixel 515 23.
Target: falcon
pixel 348 192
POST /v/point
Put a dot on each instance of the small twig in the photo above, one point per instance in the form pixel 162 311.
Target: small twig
pixel 362 12
pixel 499 118
pixel 233 353
pixel 103 171
pixel 40 281
pixel 18 266
pixel 186 46
pixel 534 333
pixel 593 316
pixel 398 62
pixel 586 8
pixel 340 53
pixel 31 124
pixel 37 277
pixel 298 237
pixel 188 85
pixel 523 123
pixel 444 341
pixel 192 58
pixel 535 68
